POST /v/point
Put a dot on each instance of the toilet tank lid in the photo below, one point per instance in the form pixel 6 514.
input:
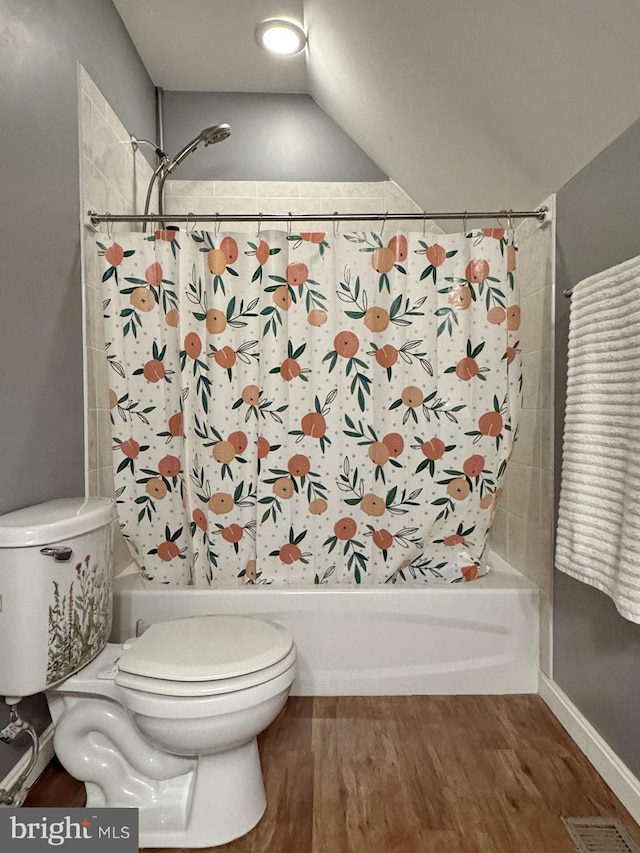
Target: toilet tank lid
pixel 54 520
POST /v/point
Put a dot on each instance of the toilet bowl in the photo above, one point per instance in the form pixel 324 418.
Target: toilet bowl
pixel 166 722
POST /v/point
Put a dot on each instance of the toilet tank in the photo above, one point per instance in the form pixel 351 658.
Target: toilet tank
pixel 55 591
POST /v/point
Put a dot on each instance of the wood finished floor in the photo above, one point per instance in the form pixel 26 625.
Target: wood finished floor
pixel 411 774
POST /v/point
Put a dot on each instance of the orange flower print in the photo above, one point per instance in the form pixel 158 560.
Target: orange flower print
pixel 142 299
pixel 477 271
pixel 229 249
pixel 344 533
pixel 193 345
pixel 130 449
pixel 345 529
pixel 199 519
pixel 290 368
pixel 262 252
pixel 318 506
pixel 290 552
pixel 436 255
pixel 168 549
pixel 114 255
pixel 317 317
pixel 399 247
pixel 379 451
pixel 153 274
pixel 316 238
pixel 314 424
pixel 468 368
pixel 169 466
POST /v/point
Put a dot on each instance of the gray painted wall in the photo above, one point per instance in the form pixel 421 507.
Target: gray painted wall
pixel 596 651
pixel 274 138
pixel 41 420
pixel 41 416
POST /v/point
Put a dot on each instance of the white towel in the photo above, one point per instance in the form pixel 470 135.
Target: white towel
pixel 598 537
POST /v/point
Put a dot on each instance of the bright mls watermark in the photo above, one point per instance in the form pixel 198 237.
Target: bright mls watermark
pixel 26 830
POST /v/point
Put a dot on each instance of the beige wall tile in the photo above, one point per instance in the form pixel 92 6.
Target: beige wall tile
pixel 92 483
pixel 526 449
pixel 234 189
pixel 532 333
pixel 528 499
pixel 546 439
pixel 277 189
pixel 91 90
pixel 121 553
pixel 94 187
pixel 222 204
pixel 498 535
pixel 106 486
pixel 321 189
pixel 354 205
pixel 365 189
pixel 531 366
pixel 103 426
pixel 546 378
pixel 524 491
pixel 293 205
pixel 545 518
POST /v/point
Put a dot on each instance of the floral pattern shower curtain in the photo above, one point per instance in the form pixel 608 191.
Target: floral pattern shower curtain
pixel 309 408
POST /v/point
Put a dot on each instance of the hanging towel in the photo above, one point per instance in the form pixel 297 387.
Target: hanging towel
pixel 598 537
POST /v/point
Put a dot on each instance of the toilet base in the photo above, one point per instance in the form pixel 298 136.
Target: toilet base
pixel 227 801
pixel 182 801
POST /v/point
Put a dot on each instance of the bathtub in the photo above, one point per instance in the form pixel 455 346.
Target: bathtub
pixel 473 638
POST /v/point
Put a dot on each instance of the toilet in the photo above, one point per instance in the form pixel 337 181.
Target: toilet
pixel 166 722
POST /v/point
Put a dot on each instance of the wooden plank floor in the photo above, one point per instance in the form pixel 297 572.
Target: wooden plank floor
pixel 411 774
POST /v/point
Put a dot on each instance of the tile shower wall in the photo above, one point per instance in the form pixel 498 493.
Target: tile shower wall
pixel 112 177
pixel 273 197
pixel 523 527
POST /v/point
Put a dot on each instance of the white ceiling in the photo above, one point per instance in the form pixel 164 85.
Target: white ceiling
pixel 209 45
pixel 464 104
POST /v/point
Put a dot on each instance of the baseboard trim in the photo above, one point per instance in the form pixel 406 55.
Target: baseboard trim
pixel 613 770
pixel 44 757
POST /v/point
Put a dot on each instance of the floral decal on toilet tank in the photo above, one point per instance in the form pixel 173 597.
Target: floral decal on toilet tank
pixel 289 404
pixel 79 619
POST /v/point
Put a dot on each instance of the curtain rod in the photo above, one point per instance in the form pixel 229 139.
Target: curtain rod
pixel 541 214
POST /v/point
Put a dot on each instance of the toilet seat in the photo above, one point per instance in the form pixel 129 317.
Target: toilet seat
pixel 205 656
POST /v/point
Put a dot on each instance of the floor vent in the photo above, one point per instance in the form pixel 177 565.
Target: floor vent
pixel 600 835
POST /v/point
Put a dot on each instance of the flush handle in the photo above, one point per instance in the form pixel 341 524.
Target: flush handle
pixel 60 555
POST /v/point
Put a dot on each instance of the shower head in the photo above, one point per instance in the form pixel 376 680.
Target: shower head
pixel 217 133
pixel 208 136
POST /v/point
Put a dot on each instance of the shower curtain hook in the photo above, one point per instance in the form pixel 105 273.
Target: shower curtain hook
pixel 193 223
pixel 216 227
pixel 109 227
pixel 499 220
pixel 424 223
pixel 336 225
pixel 289 224
pixel 384 222
pixel 510 221
pixel 259 224
pixel 464 222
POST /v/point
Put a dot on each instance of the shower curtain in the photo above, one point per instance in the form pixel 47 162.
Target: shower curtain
pixel 300 409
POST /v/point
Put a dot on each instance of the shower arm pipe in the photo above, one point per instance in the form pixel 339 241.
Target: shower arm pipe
pixel 145 217
pixel 542 214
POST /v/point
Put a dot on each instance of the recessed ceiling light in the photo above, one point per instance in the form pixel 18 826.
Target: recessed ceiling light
pixel 281 37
